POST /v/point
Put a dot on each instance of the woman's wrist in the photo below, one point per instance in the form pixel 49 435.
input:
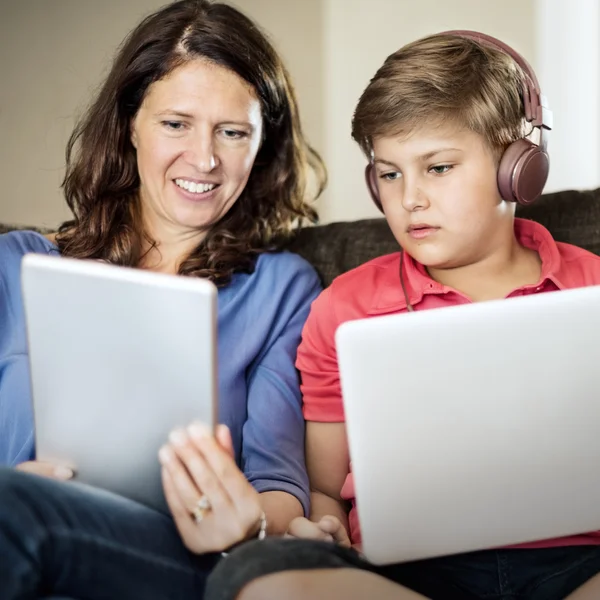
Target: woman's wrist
pixel 259 532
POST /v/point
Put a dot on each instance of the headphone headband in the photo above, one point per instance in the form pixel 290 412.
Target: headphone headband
pixel 537 111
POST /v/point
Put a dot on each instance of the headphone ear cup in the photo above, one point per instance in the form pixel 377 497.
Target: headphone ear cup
pixel 523 172
pixel 371 179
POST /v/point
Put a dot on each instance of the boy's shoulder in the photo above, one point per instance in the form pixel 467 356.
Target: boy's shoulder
pixel 352 295
pixel 578 267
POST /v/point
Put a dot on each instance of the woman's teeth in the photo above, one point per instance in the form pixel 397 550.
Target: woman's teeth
pixel 195 188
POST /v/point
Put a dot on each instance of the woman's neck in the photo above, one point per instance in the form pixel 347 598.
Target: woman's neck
pixel 169 249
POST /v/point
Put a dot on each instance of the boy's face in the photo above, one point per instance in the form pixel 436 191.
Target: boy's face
pixel 439 192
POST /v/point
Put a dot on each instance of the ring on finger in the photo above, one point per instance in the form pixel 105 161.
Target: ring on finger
pixel 202 507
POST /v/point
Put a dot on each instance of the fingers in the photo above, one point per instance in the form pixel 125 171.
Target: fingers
pixel 46 469
pixel 301 527
pixel 223 470
pixel 176 505
pixel 328 529
pixel 333 526
pixel 196 465
pixel 198 475
pixel 183 485
pixel 181 515
pixel 223 436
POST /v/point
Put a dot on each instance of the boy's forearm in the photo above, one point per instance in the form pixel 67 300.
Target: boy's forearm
pixel 322 505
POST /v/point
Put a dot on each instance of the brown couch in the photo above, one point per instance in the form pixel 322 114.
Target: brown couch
pixel 571 216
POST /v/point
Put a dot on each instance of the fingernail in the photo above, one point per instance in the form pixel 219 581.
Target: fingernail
pixel 178 437
pixel 199 430
pixel 165 455
pixel 63 473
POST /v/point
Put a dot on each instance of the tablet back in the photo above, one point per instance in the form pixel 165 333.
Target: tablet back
pixel 119 357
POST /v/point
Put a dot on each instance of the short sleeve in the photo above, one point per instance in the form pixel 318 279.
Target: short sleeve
pixel 318 365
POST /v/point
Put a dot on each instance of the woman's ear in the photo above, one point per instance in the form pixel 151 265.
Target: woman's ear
pixel 133 134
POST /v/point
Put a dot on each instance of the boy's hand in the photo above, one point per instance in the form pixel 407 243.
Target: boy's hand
pixel 328 529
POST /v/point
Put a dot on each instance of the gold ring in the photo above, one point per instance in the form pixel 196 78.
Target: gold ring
pixel 202 507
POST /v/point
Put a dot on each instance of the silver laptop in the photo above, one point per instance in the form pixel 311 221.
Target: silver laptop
pixel 474 426
pixel 119 357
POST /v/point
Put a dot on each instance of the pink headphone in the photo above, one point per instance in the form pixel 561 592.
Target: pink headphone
pixel 524 166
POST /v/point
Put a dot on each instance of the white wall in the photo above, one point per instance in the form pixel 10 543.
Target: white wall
pixel 360 34
pixel 568 51
pixel 53 53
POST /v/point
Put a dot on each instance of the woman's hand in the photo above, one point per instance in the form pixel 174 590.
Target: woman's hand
pixel 213 504
pixel 328 529
pixel 47 469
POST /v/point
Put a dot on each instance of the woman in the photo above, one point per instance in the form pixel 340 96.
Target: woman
pixel 191 160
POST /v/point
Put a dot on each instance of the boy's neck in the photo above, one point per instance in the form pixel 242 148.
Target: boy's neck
pixel 494 277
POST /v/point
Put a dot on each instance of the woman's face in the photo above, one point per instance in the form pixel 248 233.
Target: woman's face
pixel 197 134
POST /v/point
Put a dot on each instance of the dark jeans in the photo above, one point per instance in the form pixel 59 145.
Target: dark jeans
pixel 71 541
pixel 540 574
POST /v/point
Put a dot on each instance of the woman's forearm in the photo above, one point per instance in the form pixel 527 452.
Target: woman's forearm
pixel 280 508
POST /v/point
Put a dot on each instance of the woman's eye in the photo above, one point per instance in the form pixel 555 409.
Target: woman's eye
pixel 173 125
pixel 233 134
pixel 441 169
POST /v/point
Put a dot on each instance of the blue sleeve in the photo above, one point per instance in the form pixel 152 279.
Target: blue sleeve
pixel 273 435
pixel 16 418
pixel 16 413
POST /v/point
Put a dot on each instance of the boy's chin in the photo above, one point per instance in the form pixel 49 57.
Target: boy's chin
pixel 430 258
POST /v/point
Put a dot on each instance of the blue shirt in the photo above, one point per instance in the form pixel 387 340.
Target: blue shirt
pixel 260 320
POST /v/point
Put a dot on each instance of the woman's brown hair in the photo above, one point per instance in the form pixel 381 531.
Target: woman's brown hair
pixel 101 182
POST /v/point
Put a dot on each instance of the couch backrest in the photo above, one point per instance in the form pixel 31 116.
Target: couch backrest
pixel 571 216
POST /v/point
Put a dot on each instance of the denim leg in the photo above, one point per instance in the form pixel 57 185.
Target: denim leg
pixel 63 539
pixel 553 573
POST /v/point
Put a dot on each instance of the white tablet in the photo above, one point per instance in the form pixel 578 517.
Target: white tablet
pixel 119 357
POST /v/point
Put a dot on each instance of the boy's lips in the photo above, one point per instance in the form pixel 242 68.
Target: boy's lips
pixel 420 231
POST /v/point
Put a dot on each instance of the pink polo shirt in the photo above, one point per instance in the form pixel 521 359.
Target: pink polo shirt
pixel 374 289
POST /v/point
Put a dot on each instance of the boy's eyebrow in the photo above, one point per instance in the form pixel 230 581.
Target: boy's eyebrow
pixel 431 154
pixel 423 157
pixel 384 162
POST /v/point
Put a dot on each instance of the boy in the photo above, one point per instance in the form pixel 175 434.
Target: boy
pixel 443 122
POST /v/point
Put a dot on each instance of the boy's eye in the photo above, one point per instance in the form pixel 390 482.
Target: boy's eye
pixel 390 176
pixel 440 169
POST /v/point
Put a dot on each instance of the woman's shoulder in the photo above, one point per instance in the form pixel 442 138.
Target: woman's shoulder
pixel 17 243
pixel 278 277
pixel 284 263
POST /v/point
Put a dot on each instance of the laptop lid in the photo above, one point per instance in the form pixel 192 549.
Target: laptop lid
pixel 474 426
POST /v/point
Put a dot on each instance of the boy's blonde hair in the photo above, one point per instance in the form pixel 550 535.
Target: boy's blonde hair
pixel 444 79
